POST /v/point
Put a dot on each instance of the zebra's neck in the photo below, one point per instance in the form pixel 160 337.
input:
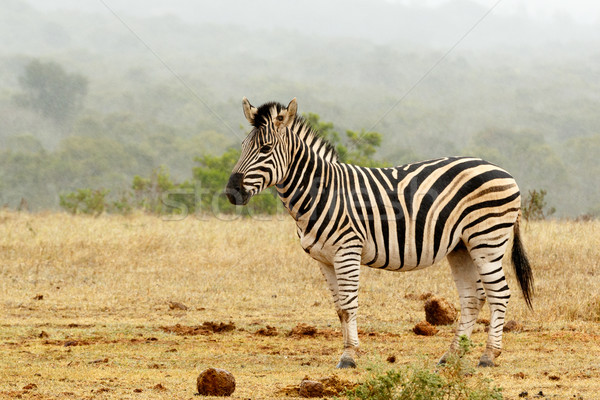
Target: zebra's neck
pixel 302 130
pixel 308 172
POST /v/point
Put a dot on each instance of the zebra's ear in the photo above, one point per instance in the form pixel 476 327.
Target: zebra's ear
pixel 292 109
pixel 249 110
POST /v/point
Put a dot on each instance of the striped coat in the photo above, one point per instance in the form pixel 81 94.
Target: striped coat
pixel 401 218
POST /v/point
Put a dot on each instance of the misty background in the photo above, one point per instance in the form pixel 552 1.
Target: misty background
pixel 93 93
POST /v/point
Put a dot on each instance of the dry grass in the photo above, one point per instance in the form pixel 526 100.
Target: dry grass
pixel 107 282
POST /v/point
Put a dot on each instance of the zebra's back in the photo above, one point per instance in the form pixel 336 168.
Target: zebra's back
pixel 413 215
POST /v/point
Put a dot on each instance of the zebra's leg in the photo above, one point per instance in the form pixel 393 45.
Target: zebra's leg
pixel 347 272
pixel 329 274
pixel 496 289
pixel 470 292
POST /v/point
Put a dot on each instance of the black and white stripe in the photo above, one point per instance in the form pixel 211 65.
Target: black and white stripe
pixel 399 219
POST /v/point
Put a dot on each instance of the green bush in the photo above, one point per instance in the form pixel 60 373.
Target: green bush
pixel 85 201
pixel 535 207
pixel 455 380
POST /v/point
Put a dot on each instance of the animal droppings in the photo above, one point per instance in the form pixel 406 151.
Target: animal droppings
pixel 215 382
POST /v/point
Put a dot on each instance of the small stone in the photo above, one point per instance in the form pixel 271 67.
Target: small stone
pixel 310 388
pixel 438 311
pixel 174 305
pixel 215 382
pixel 424 328
pixel 512 325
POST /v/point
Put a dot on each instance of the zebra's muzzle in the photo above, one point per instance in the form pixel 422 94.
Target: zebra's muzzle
pixel 235 191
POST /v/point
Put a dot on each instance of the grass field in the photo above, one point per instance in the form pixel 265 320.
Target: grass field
pixel 83 304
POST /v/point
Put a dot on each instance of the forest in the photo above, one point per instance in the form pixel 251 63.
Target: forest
pixel 137 110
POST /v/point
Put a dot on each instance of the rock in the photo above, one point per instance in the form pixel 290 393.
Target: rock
pixel 424 328
pixel 438 311
pixel 310 388
pixel 512 326
pixel 215 382
pixel 174 305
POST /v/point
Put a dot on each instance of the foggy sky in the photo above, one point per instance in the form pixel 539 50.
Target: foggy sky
pixel 580 11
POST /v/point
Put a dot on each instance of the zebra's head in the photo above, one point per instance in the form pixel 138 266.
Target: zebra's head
pixel 264 157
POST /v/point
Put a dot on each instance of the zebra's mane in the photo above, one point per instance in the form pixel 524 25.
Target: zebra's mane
pixel 301 127
pixel 314 139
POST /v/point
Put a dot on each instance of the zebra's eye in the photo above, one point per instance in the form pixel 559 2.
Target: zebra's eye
pixel 266 148
pixel 280 118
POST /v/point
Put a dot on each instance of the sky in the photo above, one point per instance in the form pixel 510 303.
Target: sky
pixel 581 11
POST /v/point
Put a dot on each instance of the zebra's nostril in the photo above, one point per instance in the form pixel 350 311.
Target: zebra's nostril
pixel 235 190
pixel 235 181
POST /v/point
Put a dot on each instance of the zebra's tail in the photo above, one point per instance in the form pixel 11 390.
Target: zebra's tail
pixel 522 266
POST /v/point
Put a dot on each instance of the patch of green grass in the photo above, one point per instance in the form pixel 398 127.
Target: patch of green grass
pixel 452 381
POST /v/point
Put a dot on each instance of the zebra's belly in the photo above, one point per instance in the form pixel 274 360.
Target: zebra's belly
pixel 381 257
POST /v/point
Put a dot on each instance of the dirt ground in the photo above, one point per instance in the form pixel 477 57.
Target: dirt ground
pixel 136 307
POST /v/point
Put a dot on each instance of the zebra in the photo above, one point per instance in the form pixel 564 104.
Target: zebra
pixel 399 219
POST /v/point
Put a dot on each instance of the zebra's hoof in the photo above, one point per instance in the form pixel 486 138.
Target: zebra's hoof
pixel 346 362
pixel 485 361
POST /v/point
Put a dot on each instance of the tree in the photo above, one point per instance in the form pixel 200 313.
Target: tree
pixel 357 148
pixel 50 90
pixel 85 201
pixel 363 147
pixel 534 206
pixel 149 192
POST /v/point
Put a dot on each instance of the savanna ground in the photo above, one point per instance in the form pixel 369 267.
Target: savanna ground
pixel 83 301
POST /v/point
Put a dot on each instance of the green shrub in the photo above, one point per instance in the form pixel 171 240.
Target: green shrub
pixel 455 380
pixel 535 207
pixel 85 201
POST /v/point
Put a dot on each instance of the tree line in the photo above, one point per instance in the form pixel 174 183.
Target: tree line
pixel 125 159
